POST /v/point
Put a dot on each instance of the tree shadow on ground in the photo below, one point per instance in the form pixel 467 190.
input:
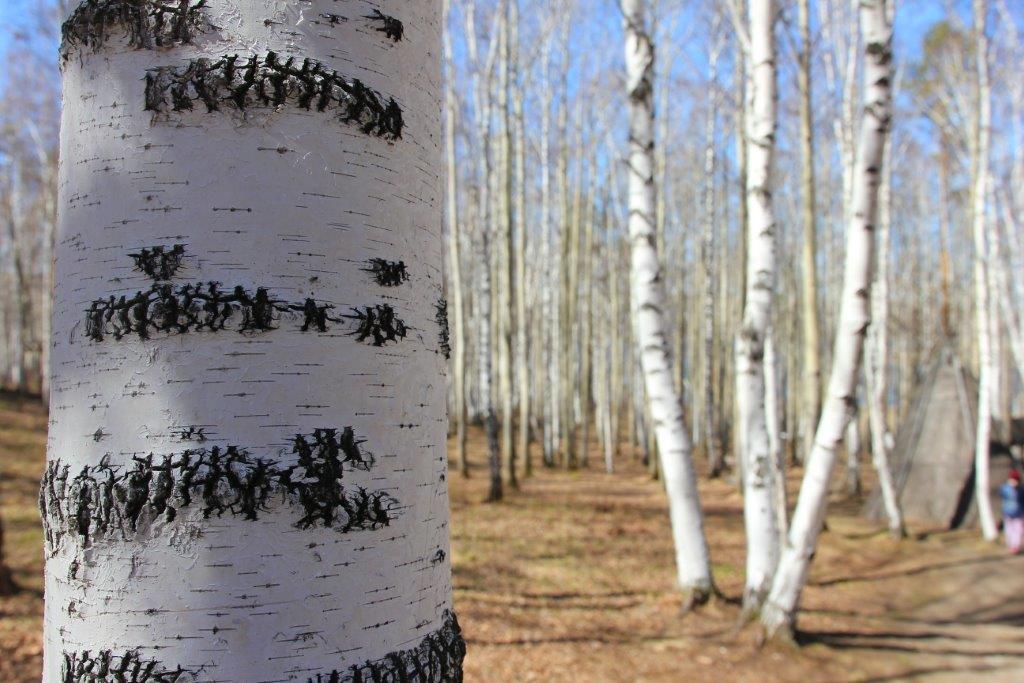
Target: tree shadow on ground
pixel 904 572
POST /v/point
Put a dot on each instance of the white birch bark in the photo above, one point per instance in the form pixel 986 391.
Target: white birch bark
pixel 773 421
pixel 998 261
pixel 520 248
pixel 547 289
pixel 674 447
pixel 455 250
pixel 759 482
pixel 853 445
pixel 209 514
pixel 810 326
pixel 982 303
pixel 779 611
pixel 877 374
pixel 710 435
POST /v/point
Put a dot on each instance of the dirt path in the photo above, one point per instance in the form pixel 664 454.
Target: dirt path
pixel 964 615
pixel 571 580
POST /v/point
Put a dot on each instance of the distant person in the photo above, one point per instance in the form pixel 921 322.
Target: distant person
pixel 1013 511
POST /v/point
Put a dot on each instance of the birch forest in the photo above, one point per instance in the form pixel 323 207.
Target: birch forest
pixel 722 300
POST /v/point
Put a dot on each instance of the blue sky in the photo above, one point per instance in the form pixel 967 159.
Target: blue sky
pixel 913 18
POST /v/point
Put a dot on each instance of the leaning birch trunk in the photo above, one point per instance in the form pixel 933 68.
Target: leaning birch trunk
pixel 755 448
pixel 674 448
pixel 246 474
pixel 986 358
pixel 878 355
pixel 779 611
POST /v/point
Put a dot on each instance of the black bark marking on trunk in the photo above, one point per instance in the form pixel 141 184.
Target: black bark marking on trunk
pixel 193 433
pixel 166 309
pixel 436 659
pixel 269 81
pixel 387 273
pixel 389 26
pixel 111 501
pixel 444 340
pixel 147 24
pixel 159 263
pixel 128 667
pixel 377 324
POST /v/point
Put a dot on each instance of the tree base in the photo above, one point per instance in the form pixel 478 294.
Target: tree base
pixel 777 626
pixel 7 584
pixel 697 596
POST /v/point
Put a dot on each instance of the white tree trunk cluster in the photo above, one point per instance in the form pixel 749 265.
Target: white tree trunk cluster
pixel 246 473
pixel 854 318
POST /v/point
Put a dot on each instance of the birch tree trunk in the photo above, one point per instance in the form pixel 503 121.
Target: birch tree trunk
pixel 674 447
pixel 21 325
pixel 779 611
pixel 982 304
pixel 811 361
pixel 853 444
pixel 878 355
pixel 772 416
pixel 758 481
pixel 520 250
pixel 707 249
pixel 548 305
pixel 998 261
pixel 505 311
pixel 246 474
pixel 455 250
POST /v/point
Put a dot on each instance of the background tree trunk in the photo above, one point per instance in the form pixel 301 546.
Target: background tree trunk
pixel 854 317
pixel 759 500
pixel 673 441
pixel 810 387
pixel 982 301
pixel 877 373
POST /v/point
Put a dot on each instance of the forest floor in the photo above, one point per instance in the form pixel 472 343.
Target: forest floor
pixel 571 579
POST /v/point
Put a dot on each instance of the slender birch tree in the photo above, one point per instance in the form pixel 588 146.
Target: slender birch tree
pixel 778 615
pixel 646 286
pixel 810 326
pixel 707 247
pixel 455 250
pixel 877 362
pixel 246 474
pixel 755 444
pixel 982 301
